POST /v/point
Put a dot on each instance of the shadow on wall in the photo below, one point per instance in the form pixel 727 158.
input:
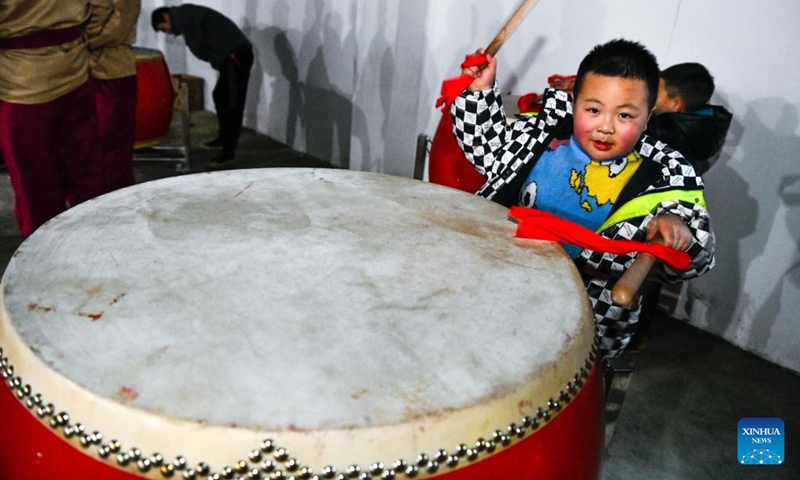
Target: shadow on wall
pixel 790 195
pixel 741 315
pixel 726 276
pixel 308 111
pixel 374 83
pixel 326 113
pixel 314 90
pixel 437 70
pixel 787 189
pixel 276 59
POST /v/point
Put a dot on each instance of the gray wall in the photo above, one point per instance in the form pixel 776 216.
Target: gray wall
pixel 355 82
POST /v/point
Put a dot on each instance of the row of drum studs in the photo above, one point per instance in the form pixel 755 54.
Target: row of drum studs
pixel 281 466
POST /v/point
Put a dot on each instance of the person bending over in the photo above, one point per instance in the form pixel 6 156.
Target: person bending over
pixel 214 38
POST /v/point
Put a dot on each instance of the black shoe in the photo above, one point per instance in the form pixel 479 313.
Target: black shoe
pixel 220 160
pixel 215 144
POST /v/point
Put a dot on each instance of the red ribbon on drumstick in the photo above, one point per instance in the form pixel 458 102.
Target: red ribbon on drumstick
pixel 452 87
pixel 539 225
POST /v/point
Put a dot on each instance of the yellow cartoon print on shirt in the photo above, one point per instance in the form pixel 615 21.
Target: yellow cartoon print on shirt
pixel 602 182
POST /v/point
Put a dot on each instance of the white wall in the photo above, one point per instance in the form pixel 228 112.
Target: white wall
pixel 355 82
pixel 754 296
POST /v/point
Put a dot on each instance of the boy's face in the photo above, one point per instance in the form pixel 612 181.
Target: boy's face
pixel 610 114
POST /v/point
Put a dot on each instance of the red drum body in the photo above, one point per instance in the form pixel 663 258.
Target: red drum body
pixel 447 164
pixel 35 452
pixel 295 323
pixel 155 97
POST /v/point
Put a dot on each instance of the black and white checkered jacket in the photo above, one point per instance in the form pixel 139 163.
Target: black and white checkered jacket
pixel 665 183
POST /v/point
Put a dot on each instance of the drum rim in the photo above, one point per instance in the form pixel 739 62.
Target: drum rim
pixel 145 54
pixel 229 449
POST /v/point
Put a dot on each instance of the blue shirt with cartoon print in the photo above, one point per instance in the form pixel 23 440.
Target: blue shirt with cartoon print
pixel 567 183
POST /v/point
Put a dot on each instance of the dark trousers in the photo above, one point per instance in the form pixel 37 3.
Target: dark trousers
pixel 52 155
pixel 230 94
pixel 116 112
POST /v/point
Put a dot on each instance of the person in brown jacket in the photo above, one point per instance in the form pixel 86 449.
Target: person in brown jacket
pixel 112 68
pixel 48 120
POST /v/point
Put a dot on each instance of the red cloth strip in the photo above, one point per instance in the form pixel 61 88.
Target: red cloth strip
pixel 539 225
pixel 41 39
pixel 452 87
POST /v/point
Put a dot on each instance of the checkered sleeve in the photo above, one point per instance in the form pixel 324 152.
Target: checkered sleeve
pixel 498 148
pixel 615 324
pixel 679 173
pixel 702 249
pixel 479 124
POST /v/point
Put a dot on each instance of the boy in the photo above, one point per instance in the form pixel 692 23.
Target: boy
pixel 684 120
pixel 594 167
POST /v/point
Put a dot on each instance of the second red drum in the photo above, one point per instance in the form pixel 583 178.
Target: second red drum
pixel 155 97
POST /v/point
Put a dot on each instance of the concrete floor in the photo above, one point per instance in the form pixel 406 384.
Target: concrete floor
pixel 686 396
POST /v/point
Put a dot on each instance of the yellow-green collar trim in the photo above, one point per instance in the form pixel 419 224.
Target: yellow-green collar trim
pixel 644 204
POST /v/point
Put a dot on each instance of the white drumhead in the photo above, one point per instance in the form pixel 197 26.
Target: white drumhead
pixel 281 302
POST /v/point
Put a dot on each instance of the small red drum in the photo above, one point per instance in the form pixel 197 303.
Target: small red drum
pixel 447 164
pixel 155 97
pixel 295 323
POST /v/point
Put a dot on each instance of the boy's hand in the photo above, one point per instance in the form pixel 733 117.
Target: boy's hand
pixel 672 230
pixel 483 76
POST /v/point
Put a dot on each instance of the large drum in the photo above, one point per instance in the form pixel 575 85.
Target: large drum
pixel 155 97
pixel 295 323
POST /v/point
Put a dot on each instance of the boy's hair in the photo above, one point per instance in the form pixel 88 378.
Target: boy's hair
pixel 158 16
pixel 691 82
pixel 624 59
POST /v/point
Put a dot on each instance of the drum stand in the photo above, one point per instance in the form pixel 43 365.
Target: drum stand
pixel 617 374
pixel 180 155
pixel 421 157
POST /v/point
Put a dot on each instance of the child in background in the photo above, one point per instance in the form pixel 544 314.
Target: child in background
pixel 683 118
pixel 594 167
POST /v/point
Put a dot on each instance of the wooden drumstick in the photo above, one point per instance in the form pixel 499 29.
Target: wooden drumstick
pixel 625 289
pixel 510 26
